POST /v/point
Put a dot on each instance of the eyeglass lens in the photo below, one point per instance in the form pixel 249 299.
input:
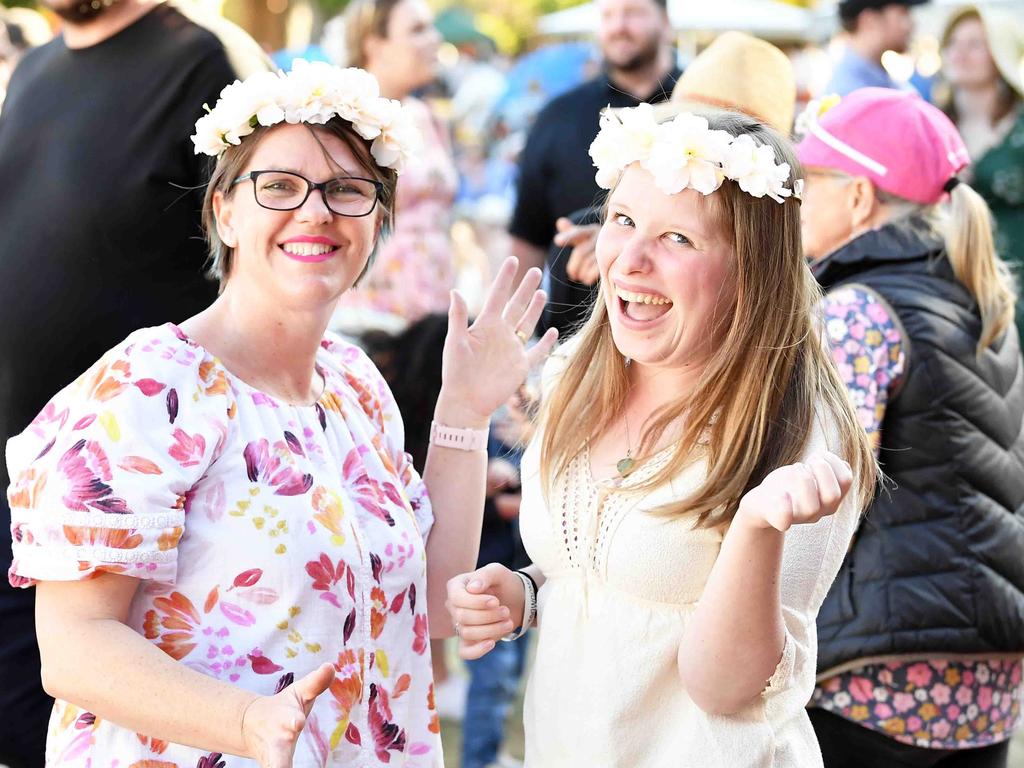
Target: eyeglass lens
pixel 284 191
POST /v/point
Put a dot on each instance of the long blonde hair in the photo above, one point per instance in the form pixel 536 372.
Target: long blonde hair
pixel 966 227
pixel 761 390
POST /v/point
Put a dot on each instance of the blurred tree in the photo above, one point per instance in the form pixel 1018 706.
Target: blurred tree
pixel 510 23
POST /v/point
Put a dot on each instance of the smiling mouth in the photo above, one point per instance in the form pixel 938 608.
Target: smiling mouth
pixel 309 252
pixel 643 307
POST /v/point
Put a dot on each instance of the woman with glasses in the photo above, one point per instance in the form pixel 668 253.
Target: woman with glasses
pixel 922 634
pixel 236 563
pixel 396 42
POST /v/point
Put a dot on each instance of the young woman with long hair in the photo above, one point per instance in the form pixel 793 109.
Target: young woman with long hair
pixel 697 474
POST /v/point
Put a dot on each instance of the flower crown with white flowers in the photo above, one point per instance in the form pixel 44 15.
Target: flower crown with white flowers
pixel 684 152
pixel 313 93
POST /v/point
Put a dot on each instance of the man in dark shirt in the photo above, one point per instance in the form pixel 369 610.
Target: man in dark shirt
pixel 556 174
pixel 99 235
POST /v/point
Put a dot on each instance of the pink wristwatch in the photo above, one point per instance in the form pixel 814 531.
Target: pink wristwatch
pixel 460 439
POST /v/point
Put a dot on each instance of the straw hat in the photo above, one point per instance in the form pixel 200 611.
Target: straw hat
pixel 1005 41
pixel 740 73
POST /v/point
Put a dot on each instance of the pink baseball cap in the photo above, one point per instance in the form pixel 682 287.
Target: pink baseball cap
pixel 906 146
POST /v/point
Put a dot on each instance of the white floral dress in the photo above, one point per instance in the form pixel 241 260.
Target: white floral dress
pixel 270 539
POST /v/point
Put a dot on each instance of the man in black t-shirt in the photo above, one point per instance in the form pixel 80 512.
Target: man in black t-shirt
pixel 99 234
pixel 556 174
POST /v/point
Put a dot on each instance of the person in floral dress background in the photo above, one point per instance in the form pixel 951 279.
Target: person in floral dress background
pixel 236 563
pixel 396 41
pixel 921 635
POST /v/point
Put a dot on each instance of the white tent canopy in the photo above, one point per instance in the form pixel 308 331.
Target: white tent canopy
pixel 765 18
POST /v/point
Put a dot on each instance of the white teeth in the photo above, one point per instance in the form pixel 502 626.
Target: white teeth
pixel 307 249
pixel 641 298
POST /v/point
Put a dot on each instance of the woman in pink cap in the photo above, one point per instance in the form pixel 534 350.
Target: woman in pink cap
pixel 922 633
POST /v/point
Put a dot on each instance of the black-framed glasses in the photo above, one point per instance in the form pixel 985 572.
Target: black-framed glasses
pixel 285 191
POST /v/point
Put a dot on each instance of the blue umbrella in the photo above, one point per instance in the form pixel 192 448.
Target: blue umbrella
pixel 283 58
pixel 547 72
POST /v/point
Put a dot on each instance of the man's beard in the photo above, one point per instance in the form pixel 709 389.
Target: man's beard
pixel 81 12
pixel 642 59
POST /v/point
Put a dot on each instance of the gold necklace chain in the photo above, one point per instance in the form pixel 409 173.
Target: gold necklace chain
pixel 627 463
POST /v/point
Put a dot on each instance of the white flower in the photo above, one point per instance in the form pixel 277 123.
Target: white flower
pixel 754 168
pixel 686 153
pixel 626 136
pixel 208 139
pixel 264 92
pixel 398 137
pixel 313 93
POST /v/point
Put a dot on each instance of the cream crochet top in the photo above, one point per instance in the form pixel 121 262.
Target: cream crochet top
pixel 621 585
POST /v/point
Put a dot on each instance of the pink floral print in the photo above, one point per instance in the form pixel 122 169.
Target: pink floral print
pixel 934 703
pixel 414 271
pixel 868 351
pixel 270 538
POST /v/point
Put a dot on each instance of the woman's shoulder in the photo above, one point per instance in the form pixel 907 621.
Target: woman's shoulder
pixel 354 369
pixel 158 360
pixel 156 375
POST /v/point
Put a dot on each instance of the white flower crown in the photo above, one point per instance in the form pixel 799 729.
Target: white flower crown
pixel 312 92
pixel 684 152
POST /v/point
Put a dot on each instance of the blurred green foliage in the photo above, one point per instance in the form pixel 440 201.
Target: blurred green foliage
pixel 510 23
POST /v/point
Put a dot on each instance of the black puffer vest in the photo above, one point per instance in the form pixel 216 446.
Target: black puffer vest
pixel 937 566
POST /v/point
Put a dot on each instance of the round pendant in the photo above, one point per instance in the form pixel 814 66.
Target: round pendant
pixel 625 466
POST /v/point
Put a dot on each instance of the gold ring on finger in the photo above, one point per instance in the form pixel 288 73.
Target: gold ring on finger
pixel 458 630
pixel 523 336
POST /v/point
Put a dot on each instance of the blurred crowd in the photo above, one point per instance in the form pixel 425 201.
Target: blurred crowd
pixel 505 170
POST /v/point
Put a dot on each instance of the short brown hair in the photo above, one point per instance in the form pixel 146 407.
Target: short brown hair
pixel 229 167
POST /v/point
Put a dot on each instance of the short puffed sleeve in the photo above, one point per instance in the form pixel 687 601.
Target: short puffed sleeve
pixel 99 478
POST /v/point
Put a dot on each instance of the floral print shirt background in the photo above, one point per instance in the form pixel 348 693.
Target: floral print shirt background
pixel 934 703
pixel 269 539
pixel 413 272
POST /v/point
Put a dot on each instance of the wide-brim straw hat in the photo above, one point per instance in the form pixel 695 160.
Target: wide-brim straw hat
pixel 1005 34
pixel 739 73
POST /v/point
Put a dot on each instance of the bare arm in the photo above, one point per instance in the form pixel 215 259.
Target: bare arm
pixel 92 659
pixel 483 365
pixel 456 482
pixel 735 638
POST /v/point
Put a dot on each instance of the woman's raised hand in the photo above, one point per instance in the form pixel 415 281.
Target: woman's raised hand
pixel 487 361
pixel 485 605
pixel 271 724
pixel 798 493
